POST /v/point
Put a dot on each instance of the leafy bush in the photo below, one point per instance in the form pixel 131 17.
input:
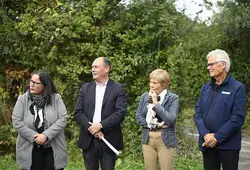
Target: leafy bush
pixel 7 162
pixel 7 140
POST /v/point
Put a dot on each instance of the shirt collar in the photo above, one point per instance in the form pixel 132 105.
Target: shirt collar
pixel 104 84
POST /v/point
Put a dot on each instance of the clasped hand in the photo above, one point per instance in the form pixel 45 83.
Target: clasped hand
pixel 210 140
pixel 95 129
pixel 40 139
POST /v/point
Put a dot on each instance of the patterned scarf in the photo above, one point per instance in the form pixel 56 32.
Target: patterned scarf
pixel 37 109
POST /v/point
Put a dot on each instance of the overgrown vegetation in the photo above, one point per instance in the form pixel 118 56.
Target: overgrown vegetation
pixel 65 36
pixel 181 163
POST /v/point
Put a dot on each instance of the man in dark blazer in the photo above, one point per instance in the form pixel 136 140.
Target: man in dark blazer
pixel 100 109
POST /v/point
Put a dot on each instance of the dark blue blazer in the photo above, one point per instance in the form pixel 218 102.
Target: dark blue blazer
pixel 221 110
pixel 114 109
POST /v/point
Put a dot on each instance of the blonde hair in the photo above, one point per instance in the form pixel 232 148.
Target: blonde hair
pixel 162 76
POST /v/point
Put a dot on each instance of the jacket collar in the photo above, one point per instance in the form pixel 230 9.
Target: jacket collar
pixel 212 82
pixel 107 91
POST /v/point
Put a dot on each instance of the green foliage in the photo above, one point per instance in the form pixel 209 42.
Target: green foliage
pixel 14 86
pixel 7 162
pixel 132 135
pixel 69 36
pixel 180 163
pixel 185 163
pixel 65 36
pixel 7 39
pixel 235 22
pixel 75 158
pixel 192 60
pixel 7 140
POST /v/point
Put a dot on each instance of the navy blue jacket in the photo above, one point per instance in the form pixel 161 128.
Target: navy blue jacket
pixel 221 110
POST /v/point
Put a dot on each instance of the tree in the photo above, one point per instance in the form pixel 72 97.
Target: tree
pixel 235 22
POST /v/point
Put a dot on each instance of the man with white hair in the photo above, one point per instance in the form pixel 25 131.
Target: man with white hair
pixel 219 115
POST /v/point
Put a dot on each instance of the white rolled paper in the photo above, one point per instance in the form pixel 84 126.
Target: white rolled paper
pixel 110 146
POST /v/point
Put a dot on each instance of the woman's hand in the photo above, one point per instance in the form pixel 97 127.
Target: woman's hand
pixel 40 138
pixel 154 97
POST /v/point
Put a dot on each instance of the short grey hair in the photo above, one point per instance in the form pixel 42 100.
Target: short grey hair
pixel 220 55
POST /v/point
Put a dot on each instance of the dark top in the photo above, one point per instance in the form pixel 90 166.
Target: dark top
pixel 221 110
pixel 113 112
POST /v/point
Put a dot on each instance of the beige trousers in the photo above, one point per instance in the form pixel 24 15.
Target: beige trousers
pixel 155 149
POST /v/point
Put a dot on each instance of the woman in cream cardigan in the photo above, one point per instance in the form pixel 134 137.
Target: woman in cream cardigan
pixel 39 117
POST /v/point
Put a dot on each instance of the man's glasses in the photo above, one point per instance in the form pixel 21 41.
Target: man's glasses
pixel 35 83
pixel 212 64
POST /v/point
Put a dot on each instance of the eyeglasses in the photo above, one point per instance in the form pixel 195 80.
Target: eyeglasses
pixel 35 83
pixel 212 64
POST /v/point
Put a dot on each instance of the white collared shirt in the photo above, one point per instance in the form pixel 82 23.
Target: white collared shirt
pixel 99 95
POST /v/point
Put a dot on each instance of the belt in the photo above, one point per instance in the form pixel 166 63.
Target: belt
pixel 156 130
pixel 159 129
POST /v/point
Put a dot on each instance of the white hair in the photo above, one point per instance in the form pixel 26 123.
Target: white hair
pixel 220 55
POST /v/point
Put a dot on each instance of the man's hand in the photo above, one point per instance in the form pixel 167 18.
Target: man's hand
pixel 99 135
pixel 210 140
pixel 40 138
pixel 94 128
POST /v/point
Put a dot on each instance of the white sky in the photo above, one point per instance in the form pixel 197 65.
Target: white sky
pixel 194 6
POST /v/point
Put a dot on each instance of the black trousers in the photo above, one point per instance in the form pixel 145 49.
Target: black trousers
pixel 97 153
pixel 42 159
pixel 214 158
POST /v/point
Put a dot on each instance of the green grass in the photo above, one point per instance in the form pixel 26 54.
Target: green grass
pixel 7 162
pixel 186 163
pixel 181 163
